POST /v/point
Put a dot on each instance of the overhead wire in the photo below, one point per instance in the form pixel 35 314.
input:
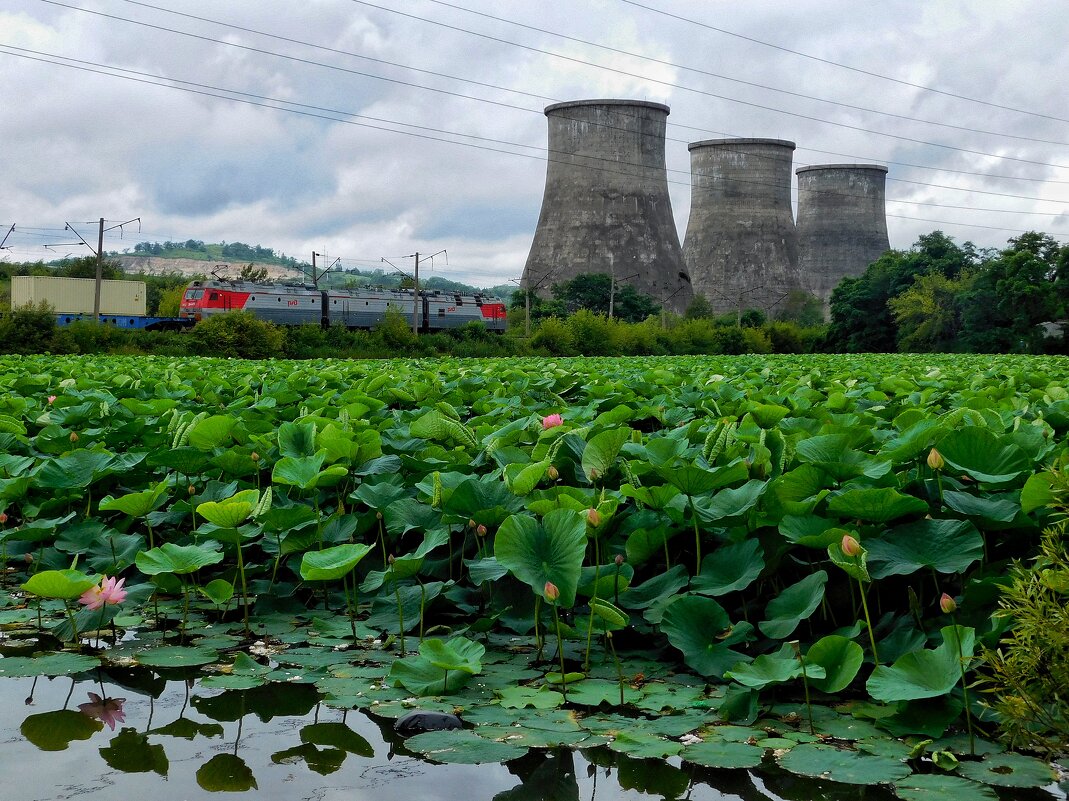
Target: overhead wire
pixel 841 65
pixel 337 115
pixel 564 57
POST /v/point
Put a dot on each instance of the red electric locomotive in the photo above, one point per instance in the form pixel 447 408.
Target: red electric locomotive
pixel 301 304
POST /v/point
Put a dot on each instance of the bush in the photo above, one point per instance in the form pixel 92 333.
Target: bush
pixel 593 334
pixel 395 331
pixel 28 329
pixel 554 336
pixel 237 334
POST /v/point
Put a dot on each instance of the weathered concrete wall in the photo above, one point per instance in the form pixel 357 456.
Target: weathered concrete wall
pixel 842 223
pixel 741 245
pixel 606 207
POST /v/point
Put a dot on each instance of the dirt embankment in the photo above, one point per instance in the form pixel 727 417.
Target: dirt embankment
pixel 155 265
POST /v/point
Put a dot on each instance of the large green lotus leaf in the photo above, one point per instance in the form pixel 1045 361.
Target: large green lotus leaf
pixel 486 502
pixel 456 654
pixel 948 546
pixel 595 692
pixel 841 659
pixel 218 591
pixel 772 669
pixel 63 584
pixel 605 581
pixel 187 461
pixel 74 470
pixel 297 439
pixel 1038 492
pixel 48 664
pixel 723 755
pixel 730 502
pixel 550 551
pixel 701 629
pixel 925 673
pixel 212 432
pixel 822 761
pixel 337 735
pixel 690 479
pixel 644 745
pixel 177 656
pixel 917 437
pixel 659 588
pixel 1008 770
pixel 766 415
pixel 226 773
pixel 793 605
pixel 812 531
pixel 462 747
pixel 937 787
pixel 228 514
pixel 729 568
pixel 521 479
pixel 331 564
pixel 420 676
pixel 522 696
pixel 875 505
pixel 135 504
pixel 177 559
pixel 834 454
pixel 54 731
pixel 983 456
pixel 304 472
pixel 1002 510
pixel 601 451
pixel 799 491
pixel 662 451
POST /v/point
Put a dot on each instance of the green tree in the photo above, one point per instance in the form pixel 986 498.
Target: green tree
pixel 700 309
pixel 801 307
pixel 86 267
pixel 929 313
pixel 249 272
pixel 591 291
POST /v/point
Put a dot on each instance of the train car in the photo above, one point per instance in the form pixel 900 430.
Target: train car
pixel 302 304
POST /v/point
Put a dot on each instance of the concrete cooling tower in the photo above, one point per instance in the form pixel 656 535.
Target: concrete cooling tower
pixel 842 223
pixel 606 207
pixel 741 245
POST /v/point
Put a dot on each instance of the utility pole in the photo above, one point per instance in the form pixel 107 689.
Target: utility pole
pixel 315 276
pixel 612 289
pixel 100 255
pixel 9 230
pixel 415 297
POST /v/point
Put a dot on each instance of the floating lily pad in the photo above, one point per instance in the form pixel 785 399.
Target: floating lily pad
pixel 850 767
pixel 722 754
pixel 49 664
pixel 1008 770
pixel 177 656
pixel 462 747
pixel 935 787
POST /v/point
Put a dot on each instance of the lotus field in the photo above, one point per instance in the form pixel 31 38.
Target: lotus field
pixel 730 560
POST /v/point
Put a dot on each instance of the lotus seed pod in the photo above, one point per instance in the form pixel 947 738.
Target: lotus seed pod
pixel 551 592
pixel 851 547
pixel 935 460
pixel 947 604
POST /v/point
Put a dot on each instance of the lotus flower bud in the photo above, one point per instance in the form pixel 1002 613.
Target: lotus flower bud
pixel 947 604
pixel 27 558
pixel 191 490
pixel 935 460
pixel 552 473
pixel 593 518
pixel 378 515
pixel 471 523
pixel 619 559
pixel 74 436
pixel 851 547
pixel 390 559
pixel 254 456
pixel 551 592
pixel 552 421
pixel 481 530
pixel 3 518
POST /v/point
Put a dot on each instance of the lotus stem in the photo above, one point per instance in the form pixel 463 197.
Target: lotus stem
pixel 697 537
pixel 422 602
pixel 590 625
pixel 185 612
pixel 278 558
pixel 964 686
pixel 560 653
pixel 244 590
pixel 349 603
pixel 70 617
pixel 868 622
pixel 805 683
pixel 400 616
pixel 538 639
pixel 619 670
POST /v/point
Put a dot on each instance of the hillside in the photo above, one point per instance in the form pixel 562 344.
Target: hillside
pixel 160 265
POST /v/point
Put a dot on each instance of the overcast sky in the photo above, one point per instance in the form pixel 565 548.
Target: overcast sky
pixel 466 82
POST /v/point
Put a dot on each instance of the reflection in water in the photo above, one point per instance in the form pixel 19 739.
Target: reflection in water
pixel 177 741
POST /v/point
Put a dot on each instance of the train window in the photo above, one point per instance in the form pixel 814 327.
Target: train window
pixel 441 312
pixel 194 294
pixel 367 303
pixel 280 300
pixel 214 296
pixel 253 298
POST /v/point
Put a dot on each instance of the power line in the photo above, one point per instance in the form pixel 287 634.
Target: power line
pixel 843 66
pixel 699 71
pixel 703 92
pixel 271 103
pixel 501 88
pixel 554 55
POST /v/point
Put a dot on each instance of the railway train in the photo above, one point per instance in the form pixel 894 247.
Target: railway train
pixel 300 304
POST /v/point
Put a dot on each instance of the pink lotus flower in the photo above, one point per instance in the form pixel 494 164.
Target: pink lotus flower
pixel 109 591
pixel 106 710
pixel 947 604
pixel 552 421
pixel 51 399
pixel 851 547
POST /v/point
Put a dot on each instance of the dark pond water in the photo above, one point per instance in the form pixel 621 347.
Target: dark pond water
pixel 173 741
